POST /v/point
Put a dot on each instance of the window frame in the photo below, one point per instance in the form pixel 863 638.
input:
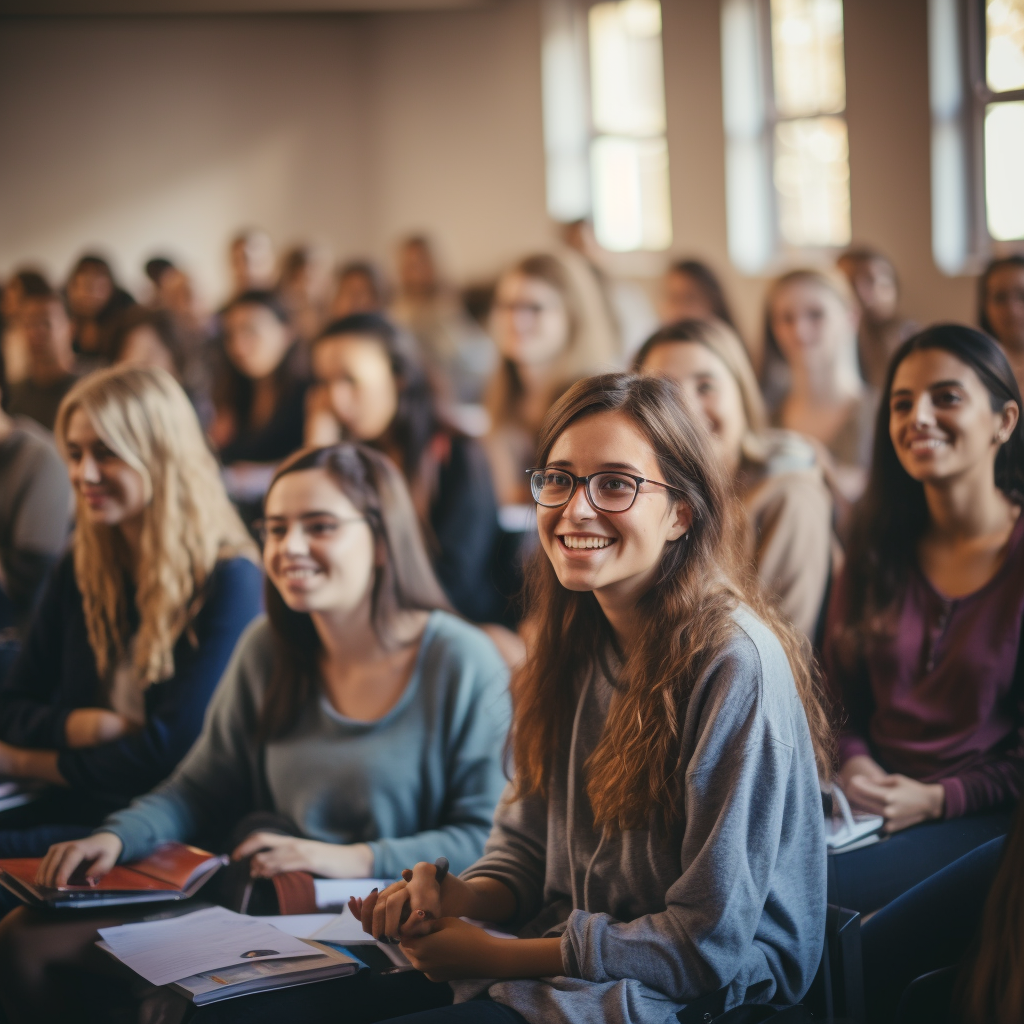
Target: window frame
pixel 981 246
pixel 781 252
pixel 571 18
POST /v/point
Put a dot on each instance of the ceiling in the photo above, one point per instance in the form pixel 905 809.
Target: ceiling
pixel 50 8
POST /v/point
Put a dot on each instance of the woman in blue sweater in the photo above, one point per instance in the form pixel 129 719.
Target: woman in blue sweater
pixel 139 618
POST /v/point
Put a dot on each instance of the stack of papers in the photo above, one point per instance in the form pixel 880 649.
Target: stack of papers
pixel 217 954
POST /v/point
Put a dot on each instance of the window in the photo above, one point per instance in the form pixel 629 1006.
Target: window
pixel 976 82
pixel 1004 118
pixel 787 152
pixel 604 120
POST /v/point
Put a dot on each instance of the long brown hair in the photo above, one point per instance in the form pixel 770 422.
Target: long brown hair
pixel 686 621
pixel 892 516
pixel 403 581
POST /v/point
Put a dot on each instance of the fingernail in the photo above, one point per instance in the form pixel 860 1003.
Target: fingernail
pixel 373 890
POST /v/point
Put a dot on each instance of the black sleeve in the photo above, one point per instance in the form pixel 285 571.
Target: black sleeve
pixel 464 517
pixel 30 714
pixel 174 708
pixel 26 573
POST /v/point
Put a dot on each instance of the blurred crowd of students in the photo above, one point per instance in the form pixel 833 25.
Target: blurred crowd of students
pixel 849 482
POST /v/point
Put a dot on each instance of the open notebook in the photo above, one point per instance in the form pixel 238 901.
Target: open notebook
pixel 172 872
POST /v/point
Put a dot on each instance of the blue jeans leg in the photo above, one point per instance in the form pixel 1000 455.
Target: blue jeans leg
pixel 869 878
pixel 929 927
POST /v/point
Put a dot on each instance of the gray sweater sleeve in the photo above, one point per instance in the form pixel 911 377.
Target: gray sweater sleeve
pixel 752 807
pixel 516 853
pixel 215 781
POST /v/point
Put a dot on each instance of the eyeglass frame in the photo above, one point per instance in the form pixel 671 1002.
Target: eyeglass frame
pixel 585 480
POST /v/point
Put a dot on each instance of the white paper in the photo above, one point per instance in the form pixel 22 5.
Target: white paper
pixel 344 928
pixel 206 940
pixel 336 892
pixel 302 926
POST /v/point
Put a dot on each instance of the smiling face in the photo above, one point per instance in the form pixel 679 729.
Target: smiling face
pixel 529 320
pixel 319 550
pixel 941 420
pixel 615 555
pixel 811 323
pixel 360 384
pixel 710 391
pixel 110 491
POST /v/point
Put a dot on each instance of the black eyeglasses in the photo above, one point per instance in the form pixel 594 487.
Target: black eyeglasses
pixel 606 492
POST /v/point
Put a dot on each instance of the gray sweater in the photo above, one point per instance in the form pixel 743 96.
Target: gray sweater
pixel 418 784
pixel 733 895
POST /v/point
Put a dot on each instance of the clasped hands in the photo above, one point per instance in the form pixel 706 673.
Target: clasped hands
pixel 900 800
pixel 422 917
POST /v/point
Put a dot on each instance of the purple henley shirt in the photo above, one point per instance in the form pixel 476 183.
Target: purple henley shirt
pixel 938 698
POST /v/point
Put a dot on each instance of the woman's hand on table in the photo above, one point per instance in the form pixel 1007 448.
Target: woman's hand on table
pixel 273 854
pixel 96 854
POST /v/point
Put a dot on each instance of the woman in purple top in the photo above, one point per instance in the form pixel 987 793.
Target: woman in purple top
pixel 922 648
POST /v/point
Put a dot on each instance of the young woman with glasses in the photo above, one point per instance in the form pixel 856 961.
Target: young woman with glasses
pixel 551 326
pixel 360 710
pixel 663 836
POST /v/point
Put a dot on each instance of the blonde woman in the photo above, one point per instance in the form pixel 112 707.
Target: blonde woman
pixel 551 327
pixel 140 617
pixel 777 475
pixel 811 321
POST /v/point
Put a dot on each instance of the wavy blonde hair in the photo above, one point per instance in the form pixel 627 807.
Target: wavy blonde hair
pixel 145 419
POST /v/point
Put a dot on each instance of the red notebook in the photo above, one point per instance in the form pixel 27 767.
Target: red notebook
pixel 172 872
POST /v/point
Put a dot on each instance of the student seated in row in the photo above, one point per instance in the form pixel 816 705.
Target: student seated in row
pixel 35 517
pixel 663 836
pixel 923 644
pixel 138 620
pixel 375 389
pixel 775 474
pixel 360 710
pixel 259 394
pixel 811 323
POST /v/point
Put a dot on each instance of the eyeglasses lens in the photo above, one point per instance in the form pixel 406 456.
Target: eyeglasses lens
pixel 610 492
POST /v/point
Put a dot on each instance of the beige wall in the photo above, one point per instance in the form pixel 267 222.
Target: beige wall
pixel 168 134
pixel 147 135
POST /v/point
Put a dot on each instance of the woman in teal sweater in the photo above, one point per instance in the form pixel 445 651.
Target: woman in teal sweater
pixel 359 708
